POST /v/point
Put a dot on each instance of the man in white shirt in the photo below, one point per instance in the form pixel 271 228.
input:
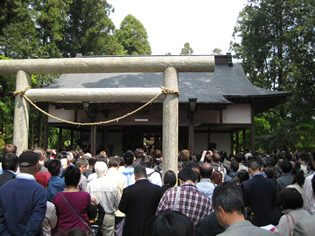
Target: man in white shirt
pixel 309 193
pixel 121 181
pixel 105 191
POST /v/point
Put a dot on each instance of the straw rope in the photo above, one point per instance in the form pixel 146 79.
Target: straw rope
pixel 163 91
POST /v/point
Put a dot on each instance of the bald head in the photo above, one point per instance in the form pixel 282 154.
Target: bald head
pixel 206 170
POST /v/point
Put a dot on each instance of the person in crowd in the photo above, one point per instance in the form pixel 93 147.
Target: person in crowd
pixel 224 160
pixel 72 204
pixel 292 203
pixel 217 166
pixel 139 202
pixel 309 192
pixel 129 169
pixel 9 148
pixel 170 223
pixel 139 154
pixel 42 154
pixel 105 191
pixel 121 182
pixel 242 176
pixel 50 220
pixel 82 164
pixel 205 186
pixel 190 201
pixel 56 183
pixel 9 167
pixel 23 200
pixel 303 158
pixel 233 171
pixel 256 189
pixel 229 208
pixel 298 179
pixel 169 180
pixel 305 227
pixel 239 157
pixel 216 178
pixel 185 155
pixel 208 226
pixel 90 168
pixel 285 179
pixel 154 177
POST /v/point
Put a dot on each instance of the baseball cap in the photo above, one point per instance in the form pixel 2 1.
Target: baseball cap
pixel 28 158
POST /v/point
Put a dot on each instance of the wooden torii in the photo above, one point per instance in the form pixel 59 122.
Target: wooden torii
pixel 169 65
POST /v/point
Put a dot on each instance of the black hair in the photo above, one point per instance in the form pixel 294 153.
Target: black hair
pixel 72 176
pixel 187 174
pixel 92 161
pixel 169 178
pixel 140 171
pixel 239 157
pixel 9 162
pixel 147 161
pixel 286 166
pixel 229 197
pixel 54 166
pixel 290 198
pixel 242 175
pixel 298 176
pixel 128 158
pixel 169 223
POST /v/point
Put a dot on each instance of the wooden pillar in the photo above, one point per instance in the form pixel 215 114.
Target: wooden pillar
pixel 170 122
pixel 21 113
pixel 237 148
pixel 253 130
pixel 93 140
pixel 244 141
pixel 60 138
pixel 191 133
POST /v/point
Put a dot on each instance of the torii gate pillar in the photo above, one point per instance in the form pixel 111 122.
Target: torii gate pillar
pixel 170 122
pixel 21 113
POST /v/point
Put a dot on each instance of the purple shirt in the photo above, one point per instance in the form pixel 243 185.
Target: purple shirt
pixel 67 219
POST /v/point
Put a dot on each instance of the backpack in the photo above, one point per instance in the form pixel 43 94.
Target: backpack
pixel 219 168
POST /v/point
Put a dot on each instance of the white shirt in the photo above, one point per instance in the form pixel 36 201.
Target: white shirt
pixel 308 195
pixel 106 192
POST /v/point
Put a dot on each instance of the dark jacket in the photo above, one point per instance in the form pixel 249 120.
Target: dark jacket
pixel 139 202
pixel 259 193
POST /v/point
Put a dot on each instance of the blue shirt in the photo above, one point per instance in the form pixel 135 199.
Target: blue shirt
pixel 55 185
pixel 206 187
pixel 128 172
pixel 22 206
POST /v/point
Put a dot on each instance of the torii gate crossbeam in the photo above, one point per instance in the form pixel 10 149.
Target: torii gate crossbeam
pixel 169 65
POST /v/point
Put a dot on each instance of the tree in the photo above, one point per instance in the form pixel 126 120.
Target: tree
pixel 89 30
pixel 276 52
pixel 187 50
pixel 133 37
pixel 217 51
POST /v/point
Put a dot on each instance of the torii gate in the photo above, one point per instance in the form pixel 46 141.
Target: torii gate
pixel 169 65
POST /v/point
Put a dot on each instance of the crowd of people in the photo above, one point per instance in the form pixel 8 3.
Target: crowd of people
pixel 71 192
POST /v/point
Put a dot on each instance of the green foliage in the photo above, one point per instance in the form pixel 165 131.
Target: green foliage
pixel 276 52
pixel 133 37
pixel 217 51
pixel 187 50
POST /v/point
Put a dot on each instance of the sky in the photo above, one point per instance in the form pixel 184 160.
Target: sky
pixel 205 24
